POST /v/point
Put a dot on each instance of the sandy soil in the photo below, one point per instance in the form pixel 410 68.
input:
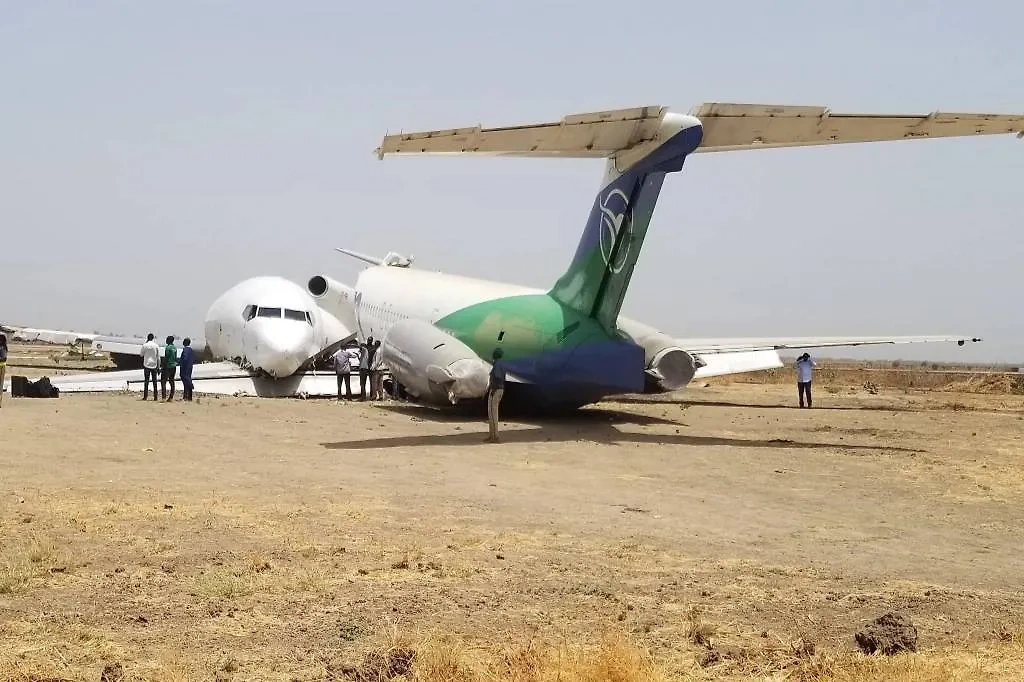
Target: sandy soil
pixel 270 539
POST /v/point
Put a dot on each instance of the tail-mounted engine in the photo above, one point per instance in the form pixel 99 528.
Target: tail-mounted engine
pixel 667 366
pixel 433 365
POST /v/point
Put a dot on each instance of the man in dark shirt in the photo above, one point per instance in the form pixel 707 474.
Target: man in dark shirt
pixel 170 368
pixel 185 363
pixel 495 389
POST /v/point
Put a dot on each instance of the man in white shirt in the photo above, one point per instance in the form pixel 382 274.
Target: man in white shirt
pixel 343 370
pixel 804 373
pixel 150 366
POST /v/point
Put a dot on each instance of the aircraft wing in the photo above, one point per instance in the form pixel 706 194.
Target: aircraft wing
pixel 719 346
pixel 122 345
pixel 729 127
pixel 737 356
pixel 55 336
pixel 217 378
pixel 720 364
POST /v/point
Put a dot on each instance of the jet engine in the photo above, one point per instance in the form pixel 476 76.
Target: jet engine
pixel 668 367
pixel 433 365
pixel 336 298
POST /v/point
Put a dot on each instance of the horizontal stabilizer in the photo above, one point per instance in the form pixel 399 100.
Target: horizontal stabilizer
pixel 729 127
pixel 594 135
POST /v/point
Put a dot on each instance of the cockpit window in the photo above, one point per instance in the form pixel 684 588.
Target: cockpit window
pixel 298 315
pixel 249 312
pixel 269 312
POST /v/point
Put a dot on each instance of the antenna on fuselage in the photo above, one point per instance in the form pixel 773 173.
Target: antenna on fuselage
pixel 392 259
pixel 361 256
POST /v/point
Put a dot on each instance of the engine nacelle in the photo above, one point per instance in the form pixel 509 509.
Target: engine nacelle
pixel 667 366
pixel 432 364
pixel 336 298
pixel 671 367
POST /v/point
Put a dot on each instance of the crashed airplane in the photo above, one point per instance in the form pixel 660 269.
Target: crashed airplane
pixel 568 345
pixel 565 346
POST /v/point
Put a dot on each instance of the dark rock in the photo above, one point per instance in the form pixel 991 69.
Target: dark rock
pixel 381 665
pixel 112 672
pixel 888 634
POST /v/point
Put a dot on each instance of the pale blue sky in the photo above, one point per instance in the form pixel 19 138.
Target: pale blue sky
pixel 152 155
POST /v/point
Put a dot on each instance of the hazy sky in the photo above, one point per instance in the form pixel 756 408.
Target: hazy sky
pixel 152 155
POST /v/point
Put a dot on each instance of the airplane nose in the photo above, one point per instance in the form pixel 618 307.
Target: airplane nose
pixel 279 349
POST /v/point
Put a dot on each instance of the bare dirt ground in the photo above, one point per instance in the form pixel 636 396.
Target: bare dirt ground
pixel 716 534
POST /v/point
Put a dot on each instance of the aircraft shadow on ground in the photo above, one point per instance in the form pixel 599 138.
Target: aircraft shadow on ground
pixel 725 403
pixel 584 416
pixel 588 425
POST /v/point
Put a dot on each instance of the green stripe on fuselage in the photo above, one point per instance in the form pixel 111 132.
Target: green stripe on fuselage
pixel 522 326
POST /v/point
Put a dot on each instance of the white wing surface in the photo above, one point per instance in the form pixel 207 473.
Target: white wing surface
pixel 218 378
pixel 741 345
pixel 55 336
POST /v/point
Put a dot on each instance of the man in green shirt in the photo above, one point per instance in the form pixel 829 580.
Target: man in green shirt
pixel 170 368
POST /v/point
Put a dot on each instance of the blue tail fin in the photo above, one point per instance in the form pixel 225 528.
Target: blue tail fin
pixel 596 280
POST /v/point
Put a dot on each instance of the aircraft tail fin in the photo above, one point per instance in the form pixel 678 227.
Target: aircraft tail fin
pixel 640 144
pixel 596 280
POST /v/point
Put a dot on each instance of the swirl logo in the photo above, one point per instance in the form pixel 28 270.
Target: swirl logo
pixel 614 207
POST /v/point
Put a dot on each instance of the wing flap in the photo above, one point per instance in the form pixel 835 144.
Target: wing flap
pixel 730 127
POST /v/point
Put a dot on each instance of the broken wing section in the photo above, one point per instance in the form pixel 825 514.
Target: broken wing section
pixel 213 378
pixel 54 336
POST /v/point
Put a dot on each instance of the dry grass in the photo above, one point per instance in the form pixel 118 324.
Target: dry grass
pixel 615 657
pixel 283 577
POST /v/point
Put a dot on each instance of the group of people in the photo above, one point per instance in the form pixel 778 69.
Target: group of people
pixel 365 360
pixel 167 366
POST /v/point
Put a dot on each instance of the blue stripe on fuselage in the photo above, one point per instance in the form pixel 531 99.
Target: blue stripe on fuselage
pixel 605 367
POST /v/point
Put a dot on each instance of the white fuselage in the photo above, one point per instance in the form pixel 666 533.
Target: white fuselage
pixel 386 295
pixel 269 324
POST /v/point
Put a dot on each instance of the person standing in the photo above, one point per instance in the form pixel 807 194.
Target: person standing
pixel 495 391
pixel 343 371
pixel 170 368
pixel 150 366
pixel 3 365
pixel 804 373
pixel 365 357
pixel 185 362
pixel 376 373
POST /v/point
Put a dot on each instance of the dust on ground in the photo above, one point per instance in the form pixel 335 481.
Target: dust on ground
pixel 272 539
